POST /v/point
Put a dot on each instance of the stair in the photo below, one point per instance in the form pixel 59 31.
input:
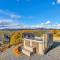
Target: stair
pixel 27 52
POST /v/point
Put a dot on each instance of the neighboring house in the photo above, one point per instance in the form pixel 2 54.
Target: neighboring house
pixel 1 40
pixel 7 38
pixel 28 35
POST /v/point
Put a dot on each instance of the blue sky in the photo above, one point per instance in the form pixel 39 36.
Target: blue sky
pixel 30 12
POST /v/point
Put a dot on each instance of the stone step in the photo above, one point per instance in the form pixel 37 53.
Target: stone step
pixel 27 52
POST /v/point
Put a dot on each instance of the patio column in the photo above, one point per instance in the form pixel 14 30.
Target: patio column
pixel 24 43
pixel 41 49
pixel 30 43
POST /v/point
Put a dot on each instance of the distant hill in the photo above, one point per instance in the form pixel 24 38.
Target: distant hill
pixel 7 29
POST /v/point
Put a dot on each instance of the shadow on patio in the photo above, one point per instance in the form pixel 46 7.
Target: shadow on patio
pixel 55 45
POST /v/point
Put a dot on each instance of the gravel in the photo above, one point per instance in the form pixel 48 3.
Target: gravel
pixel 53 54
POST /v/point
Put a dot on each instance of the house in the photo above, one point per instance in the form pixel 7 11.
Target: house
pixel 1 40
pixel 7 38
pixel 37 45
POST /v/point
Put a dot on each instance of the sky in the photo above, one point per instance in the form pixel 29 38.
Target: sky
pixel 29 13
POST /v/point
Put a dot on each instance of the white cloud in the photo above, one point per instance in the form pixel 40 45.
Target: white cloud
pixel 58 24
pixel 14 16
pixel 10 14
pixel 48 22
pixel 11 23
pixel 7 23
pixel 58 1
pixel 5 20
pixel 12 20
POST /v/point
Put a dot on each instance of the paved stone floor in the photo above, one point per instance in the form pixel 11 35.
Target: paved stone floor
pixel 53 54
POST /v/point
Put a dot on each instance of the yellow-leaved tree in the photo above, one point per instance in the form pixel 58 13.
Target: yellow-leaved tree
pixel 16 38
